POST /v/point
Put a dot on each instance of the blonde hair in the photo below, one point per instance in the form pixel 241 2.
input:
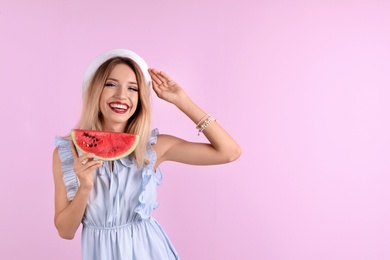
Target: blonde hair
pixel 139 123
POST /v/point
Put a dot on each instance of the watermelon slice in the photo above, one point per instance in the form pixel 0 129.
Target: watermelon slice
pixel 107 146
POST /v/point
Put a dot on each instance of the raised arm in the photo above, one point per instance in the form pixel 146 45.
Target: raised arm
pixel 222 147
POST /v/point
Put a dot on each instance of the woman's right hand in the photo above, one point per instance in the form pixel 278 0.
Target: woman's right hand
pixel 84 167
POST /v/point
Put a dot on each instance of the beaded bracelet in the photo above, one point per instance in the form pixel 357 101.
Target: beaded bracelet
pixel 205 124
pixel 201 120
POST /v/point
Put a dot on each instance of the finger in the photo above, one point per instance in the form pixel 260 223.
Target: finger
pixel 160 76
pixel 157 89
pixel 93 164
pixel 86 156
pixel 165 76
pixel 94 167
pixel 87 166
pixel 153 73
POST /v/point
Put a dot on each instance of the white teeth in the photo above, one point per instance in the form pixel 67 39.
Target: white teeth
pixel 118 106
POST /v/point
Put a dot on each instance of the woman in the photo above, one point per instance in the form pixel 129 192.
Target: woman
pixel 114 200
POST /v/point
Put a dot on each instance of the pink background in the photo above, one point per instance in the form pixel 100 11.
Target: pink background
pixel 302 85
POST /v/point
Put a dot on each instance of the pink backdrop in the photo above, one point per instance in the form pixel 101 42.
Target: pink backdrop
pixel 302 86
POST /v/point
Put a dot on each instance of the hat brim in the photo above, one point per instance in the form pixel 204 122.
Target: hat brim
pixel 99 60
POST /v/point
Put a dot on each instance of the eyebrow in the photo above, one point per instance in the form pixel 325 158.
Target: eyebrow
pixel 131 82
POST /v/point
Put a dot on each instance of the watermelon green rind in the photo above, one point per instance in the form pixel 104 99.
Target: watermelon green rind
pixel 108 142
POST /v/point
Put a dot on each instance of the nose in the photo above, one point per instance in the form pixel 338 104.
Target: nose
pixel 120 92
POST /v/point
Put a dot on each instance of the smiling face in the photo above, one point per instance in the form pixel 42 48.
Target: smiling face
pixel 119 99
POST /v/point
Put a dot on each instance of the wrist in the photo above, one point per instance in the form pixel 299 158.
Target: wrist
pixel 183 102
pixel 85 188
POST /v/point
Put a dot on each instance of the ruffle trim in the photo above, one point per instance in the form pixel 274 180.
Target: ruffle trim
pixel 150 179
pixel 69 176
pixel 148 196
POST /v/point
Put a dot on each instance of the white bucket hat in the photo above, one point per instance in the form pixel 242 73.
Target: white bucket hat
pixel 99 60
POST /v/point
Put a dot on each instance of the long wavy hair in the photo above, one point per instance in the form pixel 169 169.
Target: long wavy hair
pixel 139 123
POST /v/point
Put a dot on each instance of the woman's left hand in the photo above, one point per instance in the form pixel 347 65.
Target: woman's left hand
pixel 166 88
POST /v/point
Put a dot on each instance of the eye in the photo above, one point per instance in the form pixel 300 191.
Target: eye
pixel 135 89
pixel 109 84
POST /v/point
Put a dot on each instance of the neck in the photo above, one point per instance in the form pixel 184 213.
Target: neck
pixel 114 127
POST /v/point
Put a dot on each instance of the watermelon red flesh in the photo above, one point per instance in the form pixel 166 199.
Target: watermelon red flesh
pixel 107 146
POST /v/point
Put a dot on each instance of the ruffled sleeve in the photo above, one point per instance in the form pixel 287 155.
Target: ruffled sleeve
pixel 150 153
pixel 150 179
pixel 66 157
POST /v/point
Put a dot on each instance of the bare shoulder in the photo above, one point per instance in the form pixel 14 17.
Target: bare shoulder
pixel 57 173
pixel 56 157
pixel 57 163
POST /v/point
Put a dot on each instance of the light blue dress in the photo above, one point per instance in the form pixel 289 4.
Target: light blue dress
pixel 117 223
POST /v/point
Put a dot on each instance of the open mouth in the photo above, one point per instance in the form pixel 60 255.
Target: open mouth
pixel 118 107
